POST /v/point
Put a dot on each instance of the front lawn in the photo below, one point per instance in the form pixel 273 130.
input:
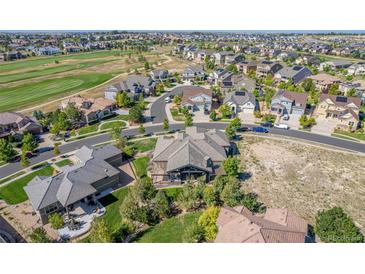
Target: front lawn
pixel 140 165
pixel 14 193
pixel 357 134
pixel 11 177
pixel 169 231
pixel 65 162
pixel 143 145
pixel 109 125
pixel 88 129
pixel 176 115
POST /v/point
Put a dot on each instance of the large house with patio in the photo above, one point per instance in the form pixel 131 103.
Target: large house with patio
pixel 195 153
pixel 94 171
pixel 92 110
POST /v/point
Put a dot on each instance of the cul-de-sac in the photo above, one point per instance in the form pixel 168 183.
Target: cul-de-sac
pixel 182 137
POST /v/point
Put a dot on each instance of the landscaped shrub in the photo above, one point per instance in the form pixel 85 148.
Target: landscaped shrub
pixel 56 221
pixel 39 235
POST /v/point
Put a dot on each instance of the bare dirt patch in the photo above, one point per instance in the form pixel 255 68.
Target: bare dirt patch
pixel 304 178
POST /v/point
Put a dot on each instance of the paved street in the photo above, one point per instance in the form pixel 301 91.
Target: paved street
pixel 321 139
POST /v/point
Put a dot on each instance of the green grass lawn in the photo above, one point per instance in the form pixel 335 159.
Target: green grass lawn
pixel 39 61
pixel 65 162
pixel 356 135
pixel 14 193
pixel 170 230
pixel 176 115
pixel 140 165
pixel 11 177
pixel 88 129
pixel 124 117
pixel 7 78
pixel 2 163
pixel 143 145
pixel 112 204
pixel 110 125
pixel 30 94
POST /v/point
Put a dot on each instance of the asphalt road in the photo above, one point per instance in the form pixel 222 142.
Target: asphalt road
pixel 321 139
pixel 158 113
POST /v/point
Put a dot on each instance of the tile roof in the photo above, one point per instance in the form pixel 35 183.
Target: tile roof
pixel 239 225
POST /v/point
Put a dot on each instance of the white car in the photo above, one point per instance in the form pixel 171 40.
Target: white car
pixel 282 126
pixel 168 99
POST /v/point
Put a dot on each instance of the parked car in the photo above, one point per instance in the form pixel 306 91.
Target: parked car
pixel 260 130
pixel 286 117
pixel 243 129
pixel 281 126
pixel 168 99
pixel 267 124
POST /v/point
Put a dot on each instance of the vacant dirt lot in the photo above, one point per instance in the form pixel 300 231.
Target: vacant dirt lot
pixel 304 178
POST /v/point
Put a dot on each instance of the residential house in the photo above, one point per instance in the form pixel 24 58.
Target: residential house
pixel 287 102
pixel 190 155
pixel 216 77
pixel 47 50
pixel 238 82
pixel 96 170
pixel 220 57
pixel 247 66
pixel 279 225
pixel 134 85
pixel 344 111
pixel 92 110
pixel 324 81
pixel 266 67
pixel 356 69
pixel 335 64
pixel 192 72
pixel 295 74
pixel 241 101
pixel 195 98
pixel 234 58
pixel 159 75
pixel 12 123
pixel 202 54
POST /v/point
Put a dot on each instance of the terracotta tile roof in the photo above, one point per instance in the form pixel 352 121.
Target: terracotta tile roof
pixel 239 225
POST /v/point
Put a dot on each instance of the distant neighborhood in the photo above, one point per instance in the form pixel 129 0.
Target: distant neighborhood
pixel 130 130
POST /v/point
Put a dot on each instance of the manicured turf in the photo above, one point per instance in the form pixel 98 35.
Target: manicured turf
pixel 7 78
pixel 88 129
pixel 112 204
pixel 170 230
pixel 144 145
pixel 11 177
pixel 356 135
pixel 14 193
pixel 31 94
pixel 38 61
pixel 110 125
pixel 176 115
pixel 140 165
pixel 65 162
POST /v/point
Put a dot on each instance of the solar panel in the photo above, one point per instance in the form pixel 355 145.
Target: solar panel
pixel 240 93
pixel 341 99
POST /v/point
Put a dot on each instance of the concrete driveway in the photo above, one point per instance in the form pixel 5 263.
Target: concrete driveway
pixel 247 118
pixel 324 126
pixel 293 121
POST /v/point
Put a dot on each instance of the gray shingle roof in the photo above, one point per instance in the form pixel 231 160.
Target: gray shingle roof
pixel 240 97
pixel 75 182
pixel 195 147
